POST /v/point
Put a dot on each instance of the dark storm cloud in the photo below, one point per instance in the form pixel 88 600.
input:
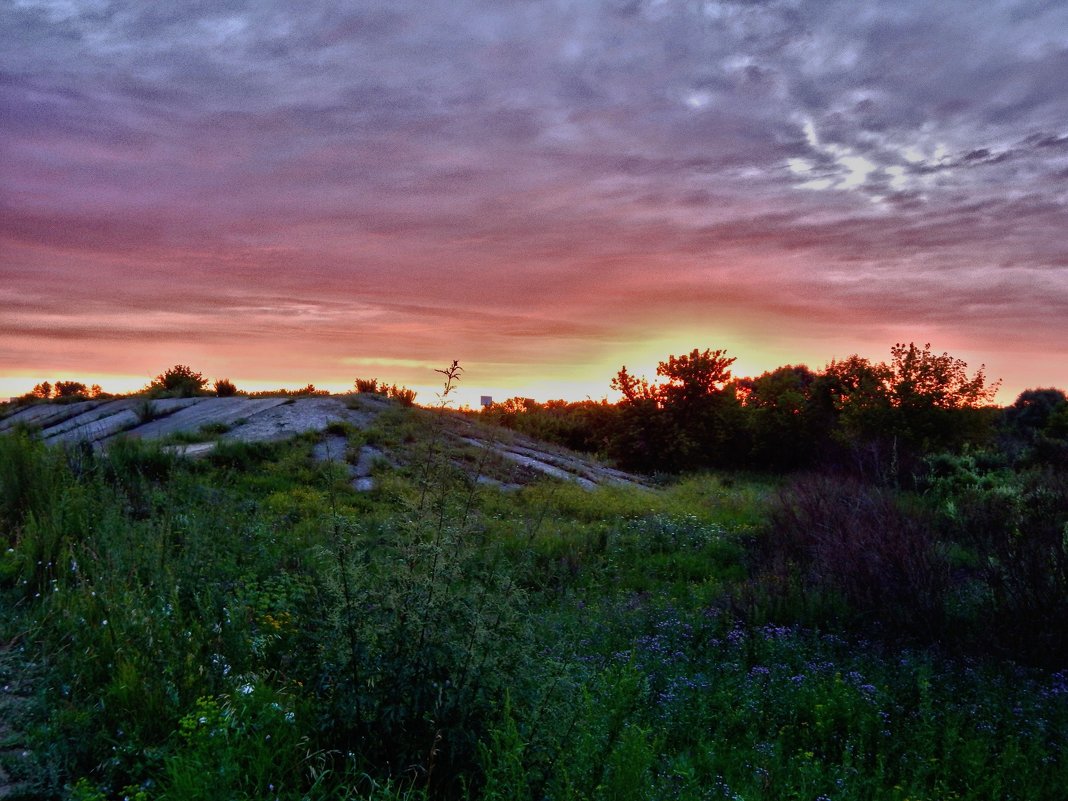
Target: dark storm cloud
pixel 520 158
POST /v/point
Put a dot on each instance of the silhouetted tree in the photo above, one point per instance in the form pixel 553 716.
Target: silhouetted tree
pixel 634 390
pixel 704 417
pixel 682 423
pixel 1035 428
pixel 1032 410
pixel 224 387
pixel 886 416
pixel 65 390
pixel 855 393
pixel 922 379
pixel 639 440
pixel 779 415
pixel 694 378
pixel 71 389
pixel 874 417
pixel 181 381
pixel 937 404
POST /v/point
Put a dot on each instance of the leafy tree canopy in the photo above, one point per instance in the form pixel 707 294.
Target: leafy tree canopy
pixel 1033 408
pixel 634 390
pixel 783 389
pixel 695 376
pixel 920 378
pixel 70 389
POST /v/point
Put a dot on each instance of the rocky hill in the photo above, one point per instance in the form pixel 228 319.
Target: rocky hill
pixel 196 426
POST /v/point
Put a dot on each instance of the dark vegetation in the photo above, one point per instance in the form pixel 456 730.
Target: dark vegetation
pixel 878 420
pixel 182 381
pixel 225 388
pixel 850 584
pixel 403 395
pixel 63 391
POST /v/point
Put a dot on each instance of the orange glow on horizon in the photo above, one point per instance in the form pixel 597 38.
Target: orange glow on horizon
pixel 501 381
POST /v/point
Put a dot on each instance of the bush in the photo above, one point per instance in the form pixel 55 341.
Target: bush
pixel 1012 530
pixel 367 385
pixel 426 635
pixel 179 381
pixel 834 541
pixel 71 389
pixel 225 388
pixel 403 395
pixel 146 411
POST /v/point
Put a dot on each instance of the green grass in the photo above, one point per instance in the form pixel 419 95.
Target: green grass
pixel 784 712
pixel 209 432
pixel 250 618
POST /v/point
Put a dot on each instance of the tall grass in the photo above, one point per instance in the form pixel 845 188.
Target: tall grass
pixel 251 619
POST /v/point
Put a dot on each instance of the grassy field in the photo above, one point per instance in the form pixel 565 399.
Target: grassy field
pixel 247 626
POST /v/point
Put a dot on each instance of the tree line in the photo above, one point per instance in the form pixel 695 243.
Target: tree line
pixel 876 418
pixel 182 381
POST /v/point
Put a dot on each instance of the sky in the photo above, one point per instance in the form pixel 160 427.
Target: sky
pixel 545 190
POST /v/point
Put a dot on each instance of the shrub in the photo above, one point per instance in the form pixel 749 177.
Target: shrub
pixel 1012 528
pixel 427 629
pixel 367 385
pixel 248 741
pixel 834 540
pixel 146 411
pixel 71 389
pixel 179 381
pixel 403 395
pixel 31 482
pixel 427 634
pixel 225 388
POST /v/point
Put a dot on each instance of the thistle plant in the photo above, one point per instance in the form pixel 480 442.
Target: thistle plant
pixel 427 622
